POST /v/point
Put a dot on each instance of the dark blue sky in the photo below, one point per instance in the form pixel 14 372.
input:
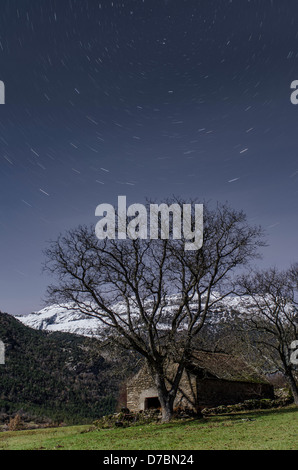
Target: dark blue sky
pixel 145 99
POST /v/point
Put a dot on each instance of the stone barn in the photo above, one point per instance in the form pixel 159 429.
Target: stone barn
pixel 210 379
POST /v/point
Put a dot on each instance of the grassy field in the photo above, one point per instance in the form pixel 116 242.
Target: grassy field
pixel 258 430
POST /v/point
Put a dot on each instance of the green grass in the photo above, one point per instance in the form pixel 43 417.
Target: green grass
pixel 258 430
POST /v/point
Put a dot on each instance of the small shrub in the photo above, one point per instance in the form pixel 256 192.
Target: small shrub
pixel 16 423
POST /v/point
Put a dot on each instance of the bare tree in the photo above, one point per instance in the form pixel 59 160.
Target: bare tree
pixel 271 313
pixel 152 296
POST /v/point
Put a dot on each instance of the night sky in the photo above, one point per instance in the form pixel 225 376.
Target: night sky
pixel 145 99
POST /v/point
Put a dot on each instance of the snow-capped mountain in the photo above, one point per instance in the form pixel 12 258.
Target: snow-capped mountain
pixel 59 318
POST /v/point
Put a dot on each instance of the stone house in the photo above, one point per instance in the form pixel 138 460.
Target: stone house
pixel 210 379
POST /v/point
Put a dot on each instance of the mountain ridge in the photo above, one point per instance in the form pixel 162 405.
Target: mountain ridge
pixel 59 318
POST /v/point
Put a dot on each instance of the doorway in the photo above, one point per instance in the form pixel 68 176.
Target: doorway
pixel 152 403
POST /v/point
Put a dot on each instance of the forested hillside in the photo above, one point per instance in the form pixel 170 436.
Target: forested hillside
pixel 60 376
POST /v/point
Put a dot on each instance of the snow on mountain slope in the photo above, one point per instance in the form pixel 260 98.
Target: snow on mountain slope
pixel 58 318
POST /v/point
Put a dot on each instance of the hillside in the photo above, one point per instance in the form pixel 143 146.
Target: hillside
pixel 255 430
pixel 61 376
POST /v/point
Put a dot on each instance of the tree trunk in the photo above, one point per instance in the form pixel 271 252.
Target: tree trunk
pixel 293 385
pixel 167 408
pixel 166 398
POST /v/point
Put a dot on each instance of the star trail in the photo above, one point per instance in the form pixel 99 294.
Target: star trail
pixel 147 99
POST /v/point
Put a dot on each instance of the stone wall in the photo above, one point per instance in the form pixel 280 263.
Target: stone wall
pixel 213 392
